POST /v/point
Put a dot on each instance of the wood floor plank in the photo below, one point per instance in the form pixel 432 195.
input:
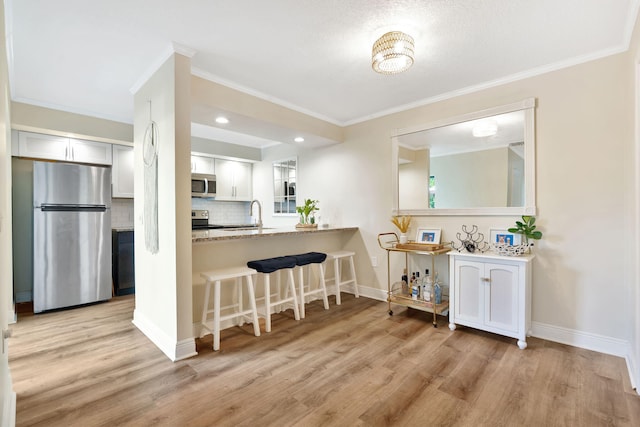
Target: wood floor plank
pixel 351 365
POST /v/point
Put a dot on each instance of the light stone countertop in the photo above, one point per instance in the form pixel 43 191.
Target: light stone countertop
pixel 204 236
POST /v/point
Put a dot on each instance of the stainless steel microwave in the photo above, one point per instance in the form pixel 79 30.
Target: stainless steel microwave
pixel 203 185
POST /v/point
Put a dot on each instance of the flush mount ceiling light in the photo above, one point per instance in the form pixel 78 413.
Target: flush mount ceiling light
pixel 392 53
pixel 222 120
pixel 486 128
pixel 298 139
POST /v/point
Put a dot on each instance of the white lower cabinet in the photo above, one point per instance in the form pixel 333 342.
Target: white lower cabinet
pixel 122 172
pixel 492 293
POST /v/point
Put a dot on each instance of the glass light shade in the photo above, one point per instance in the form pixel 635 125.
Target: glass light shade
pixel 392 53
pixel 487 128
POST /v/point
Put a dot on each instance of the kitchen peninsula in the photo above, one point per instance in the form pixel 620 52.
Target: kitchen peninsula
pixel 221 248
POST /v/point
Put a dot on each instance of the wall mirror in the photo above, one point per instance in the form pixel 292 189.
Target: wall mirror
pixel 481 163
pixel 284 186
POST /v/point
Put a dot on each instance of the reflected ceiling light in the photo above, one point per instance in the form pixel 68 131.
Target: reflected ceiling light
pixel 298 139
pixel 222 120
pixel 392 53
pixel 486 128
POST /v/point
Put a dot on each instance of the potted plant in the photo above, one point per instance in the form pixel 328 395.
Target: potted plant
pixel 527 229
pixel 403 223
pixel 307 218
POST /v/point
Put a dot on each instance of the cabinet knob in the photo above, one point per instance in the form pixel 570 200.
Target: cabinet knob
pixel 486 279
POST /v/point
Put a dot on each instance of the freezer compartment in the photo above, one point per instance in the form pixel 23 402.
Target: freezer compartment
pixel 71 184
pixel 72 258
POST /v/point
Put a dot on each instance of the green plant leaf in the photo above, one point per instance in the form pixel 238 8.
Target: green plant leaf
pixel 513 230
pixel 537 235
pixel 532 220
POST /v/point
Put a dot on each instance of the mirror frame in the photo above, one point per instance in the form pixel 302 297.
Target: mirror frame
pixel 528 106
pixel 288 159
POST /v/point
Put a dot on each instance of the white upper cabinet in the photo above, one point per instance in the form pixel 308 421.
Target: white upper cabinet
pixel 122 172
pixel 233 180
pixel 203 164
pixel 90 152
pixel 40 146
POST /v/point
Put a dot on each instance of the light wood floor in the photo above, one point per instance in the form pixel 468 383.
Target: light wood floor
pixel 352 365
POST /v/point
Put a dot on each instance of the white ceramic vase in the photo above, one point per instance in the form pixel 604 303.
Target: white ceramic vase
pixel 403 238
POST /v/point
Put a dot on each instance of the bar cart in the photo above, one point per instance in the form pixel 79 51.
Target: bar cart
pixel 395 293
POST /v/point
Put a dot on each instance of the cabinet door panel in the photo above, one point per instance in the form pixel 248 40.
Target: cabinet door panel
pixel 501 297
pixel 122 171
pixel 41 146
pixel 203 164
pixel 233 180
pixel 90 152
pixel 468 294
pixel 243 181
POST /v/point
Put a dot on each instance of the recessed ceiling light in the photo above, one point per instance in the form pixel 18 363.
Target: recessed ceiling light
pixel 222 120
pixel 299 139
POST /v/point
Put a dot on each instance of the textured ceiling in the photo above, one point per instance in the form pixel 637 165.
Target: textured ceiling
pixel 312 56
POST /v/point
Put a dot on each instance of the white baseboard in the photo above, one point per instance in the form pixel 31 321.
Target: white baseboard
pixel 589 341
pixel 632 367
pixel 9 410
pixel 174 350
pixel 368 292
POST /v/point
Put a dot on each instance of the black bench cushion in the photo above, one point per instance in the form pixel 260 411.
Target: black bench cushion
pixel 270 265
pixel 310 258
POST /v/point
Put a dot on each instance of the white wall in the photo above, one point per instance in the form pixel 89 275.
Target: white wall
pixel 477 179
pixel 584 158
pixel 163 280
pixel 7 396
pixel 413 181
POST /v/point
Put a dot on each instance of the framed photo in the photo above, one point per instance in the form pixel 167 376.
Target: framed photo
pixel 499 235
pixel 428 235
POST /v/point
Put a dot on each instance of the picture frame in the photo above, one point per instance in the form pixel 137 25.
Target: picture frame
pixel 501 235
pixel 429 235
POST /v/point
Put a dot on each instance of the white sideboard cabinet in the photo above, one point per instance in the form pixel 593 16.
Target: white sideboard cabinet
pixel 492 293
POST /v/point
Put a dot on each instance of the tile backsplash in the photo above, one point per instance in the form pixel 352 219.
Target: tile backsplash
pixel 224 212
pixel 219 212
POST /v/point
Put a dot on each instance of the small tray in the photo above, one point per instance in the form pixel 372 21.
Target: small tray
pixel 420 246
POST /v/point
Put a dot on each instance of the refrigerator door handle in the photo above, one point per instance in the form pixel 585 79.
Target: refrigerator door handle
pixel 66 208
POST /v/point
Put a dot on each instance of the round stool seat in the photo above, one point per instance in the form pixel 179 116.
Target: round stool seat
pixel 270 265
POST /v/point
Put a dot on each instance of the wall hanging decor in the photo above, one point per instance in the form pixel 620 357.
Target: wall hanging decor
pixel 150 158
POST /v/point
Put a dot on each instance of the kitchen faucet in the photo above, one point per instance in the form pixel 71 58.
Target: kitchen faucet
pixel 259 211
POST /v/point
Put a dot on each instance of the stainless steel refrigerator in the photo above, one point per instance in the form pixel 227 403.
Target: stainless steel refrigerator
pixel 71 235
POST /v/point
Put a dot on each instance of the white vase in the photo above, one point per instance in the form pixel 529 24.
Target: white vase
pixel 403 238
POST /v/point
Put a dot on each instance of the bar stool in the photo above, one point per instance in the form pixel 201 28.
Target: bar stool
pixel 307 259
pixel 266 267
pixel 216 277
pixel 337 258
